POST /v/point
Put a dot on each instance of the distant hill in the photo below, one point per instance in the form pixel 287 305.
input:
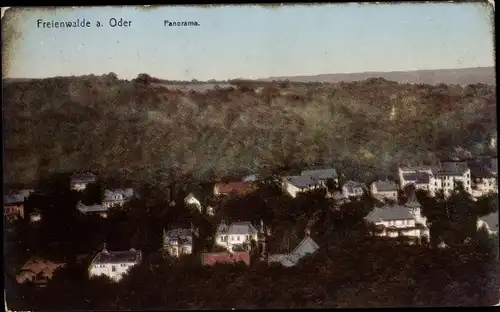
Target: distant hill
pixel 461 76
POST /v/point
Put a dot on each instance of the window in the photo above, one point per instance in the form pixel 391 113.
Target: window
pixel 238 238
pixel 113 268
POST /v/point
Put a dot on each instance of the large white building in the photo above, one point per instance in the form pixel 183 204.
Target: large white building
pixel 436 178
pixel 114 264
pixel 235 234
pixel 117 197
pixel 396 220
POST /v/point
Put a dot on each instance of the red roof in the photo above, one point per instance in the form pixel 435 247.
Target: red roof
pixel 238 188
pixel 225 257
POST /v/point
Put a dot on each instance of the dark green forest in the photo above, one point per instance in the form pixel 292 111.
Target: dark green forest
pixel 144 129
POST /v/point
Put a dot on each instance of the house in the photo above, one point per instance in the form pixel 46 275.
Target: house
pixel 483 180
pixel 178 242
pixel 114 264
pixel 38 271
pixel 353 189
pixel 79 181
pixel 97 209
pixel 305 247
pixel 117 197
pixel 489 222
pixel 397 220
pixel 191 200
pixel 234 188
pixel 293 185
pixel 13 203
pixel 444 177
pixel 225 257
pixel 384 190
pixel 236 234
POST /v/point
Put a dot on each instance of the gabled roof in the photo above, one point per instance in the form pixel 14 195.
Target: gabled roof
pixel 491 220
pixel 385 186
pixel 129 256
pixel 352 185
pixel 181 236
pixel 453 168
pixel 301 181
pixel 17 197
pixel 307 245
pixel 417 177
pixel 412 201
pixel 322 174
pixel 242 228
pixel 479 171
pixel 394 212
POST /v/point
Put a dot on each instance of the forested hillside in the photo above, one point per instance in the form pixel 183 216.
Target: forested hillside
pixel 143 129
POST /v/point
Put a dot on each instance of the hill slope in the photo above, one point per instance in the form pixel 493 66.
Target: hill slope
pixel 110 125
pixel 461 76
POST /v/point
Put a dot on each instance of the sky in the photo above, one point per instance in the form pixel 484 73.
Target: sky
pixel 250 41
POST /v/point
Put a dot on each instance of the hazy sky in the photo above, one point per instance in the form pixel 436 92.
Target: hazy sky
pixel 253 42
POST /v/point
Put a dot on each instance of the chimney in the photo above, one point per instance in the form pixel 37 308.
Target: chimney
pixel 104 250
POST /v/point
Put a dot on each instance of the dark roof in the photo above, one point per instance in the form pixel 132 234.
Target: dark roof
pixel 412 201
pixel 321 174
pixel 452 168
pixel 385 186
pixel 17 197
pixel 479 171
pixel 394 212
pixel 86 177
pixel 418 177
pixel 301 181
pixel 179 236
pixel 118 256
pixel 243 228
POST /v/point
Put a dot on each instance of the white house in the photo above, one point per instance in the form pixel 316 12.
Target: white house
pixel 384 189
pixel 79 181
pixel 322 175
pixel 178 242
pixel 114 264
pixel 483 180
pixel 489 223
pixel 305 247
pixel 97 209
pixel 396 220
pixel 117 197
pixel 190 199
pixel 235 234
pixel 352 189
pixel 435 178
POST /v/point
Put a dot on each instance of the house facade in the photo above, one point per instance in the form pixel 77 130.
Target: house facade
pixel 397 220
pixel 384 190
pixel 79 181
pixel 191 200
pixel 353 189
pixel 117 197
pixel 444 178
pixel 293 185
pixel 114 264
pixel 178 242
pixel 13 203
pixel 236 234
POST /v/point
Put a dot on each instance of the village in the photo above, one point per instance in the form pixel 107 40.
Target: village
pixel 396 213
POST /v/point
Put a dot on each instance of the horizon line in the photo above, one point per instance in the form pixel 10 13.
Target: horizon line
pixel 262 78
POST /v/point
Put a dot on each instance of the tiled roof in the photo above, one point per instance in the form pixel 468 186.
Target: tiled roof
pixel 238 188
pixel 385 186
pixel 128 256
pixel 242 228
pixel 15 197
pixel 225 257
pixel 322 174
pixel 306 246
pixel 479 171
pixel 452 168
pixel 417 177
pixel 394 212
